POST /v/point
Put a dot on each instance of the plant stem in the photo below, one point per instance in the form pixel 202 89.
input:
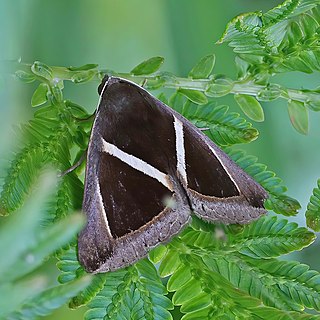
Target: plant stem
pixel 247 87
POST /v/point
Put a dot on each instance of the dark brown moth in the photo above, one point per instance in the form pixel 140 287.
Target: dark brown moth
pixel 147 169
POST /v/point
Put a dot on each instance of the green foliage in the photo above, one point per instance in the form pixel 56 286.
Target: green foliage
pixel 283 39
pixel 25 244
pixel 40 95
pixel 148 66
pixel 277 201
pixel 133 293
pixel 70 270
pixel 250 107
pixel 47 139
pixel 269 237
pixel 203 68
pixel 219 87
pixel 209 271
pixel 299 116
pixel 42 70
pixel 194 96
pixel 223 127
pixel 205 260
pixel 313 209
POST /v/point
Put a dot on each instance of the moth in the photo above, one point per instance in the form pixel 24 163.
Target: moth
pixel 148 169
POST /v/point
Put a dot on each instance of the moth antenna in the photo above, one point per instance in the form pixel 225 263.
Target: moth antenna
pixel 144 82
pixel 204 129
pixel 75 166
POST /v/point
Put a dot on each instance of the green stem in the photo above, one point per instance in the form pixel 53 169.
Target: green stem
pixel 247 87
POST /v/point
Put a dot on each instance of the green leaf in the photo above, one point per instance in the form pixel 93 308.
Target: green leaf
pixel 26 296
pixel 191 288
pixel 283 11
pixel 39 97
pixel 294 33
pixel 179 278
pixel 223 127
pixel 299 116
pixel 83 76
pixel 47 143
pixel 282 204
pixel 134 293
pixel 277 201
pixel 169 264
pixel 85 67
pixel 210 267
pixel 52 238
pixel 285 285
pixel 219 87
pixel 280 40
pixel 313 209
pixel 47 301
pixel 162 97
pixel 271 92
pixel 148 66
pixel 156 254
pixel 250 107
pixel 42 70
pixel 69 265
pixel 240 32
pixel 16 294
pixel 15 243
pixel 155 83
pixel 219 286
pixel 76 110
pixel 195 96
pixel 242 67
pixel 203 68
pixel 295 280
pixel 47 112
pixel 25 76
pixel 270 237
pixel 89 292
pixel 177 101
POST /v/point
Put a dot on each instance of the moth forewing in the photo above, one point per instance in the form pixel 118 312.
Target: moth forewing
pixel 147 169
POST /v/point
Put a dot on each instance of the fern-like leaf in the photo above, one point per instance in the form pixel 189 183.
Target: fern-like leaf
pixel 313 209
pixel 49 300
pixel 48 142
pixel 70 270
pixel 279 284
pixel 133 293
pixel 26 244
pixel 277 201
pixel 269 237
pixel 68 264
pixel 223 127
pixel 204 293
pixel 283 39
pixel 22 174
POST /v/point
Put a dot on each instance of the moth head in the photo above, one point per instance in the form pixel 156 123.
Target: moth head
pixel 102 84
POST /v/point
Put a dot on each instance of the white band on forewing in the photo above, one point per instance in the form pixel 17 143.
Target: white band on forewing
pixel 101 209
pixel 181 157
pixel 136 163
pixel 225 168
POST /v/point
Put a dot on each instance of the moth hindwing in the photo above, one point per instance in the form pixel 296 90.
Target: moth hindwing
pixel 147 169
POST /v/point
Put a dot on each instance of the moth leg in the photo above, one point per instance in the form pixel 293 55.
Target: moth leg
pixel 89 118
pixel 75 166
pixel 144 82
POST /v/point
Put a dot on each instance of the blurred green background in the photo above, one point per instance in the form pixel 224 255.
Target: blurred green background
pixel 120 34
